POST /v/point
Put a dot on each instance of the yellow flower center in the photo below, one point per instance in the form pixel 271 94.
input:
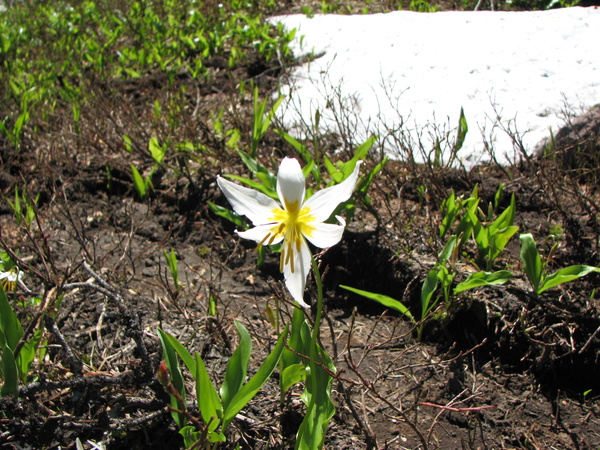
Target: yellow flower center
pixel 292 223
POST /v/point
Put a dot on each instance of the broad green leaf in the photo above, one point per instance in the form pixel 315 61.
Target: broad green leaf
pixel 565 275
pixel 320 409
pixel 428 290
pixel 10 371
pixel 260 171
pixel 292 375
pixel 250 389
pixel 500 239
pixel 237 366
pixel 449 250
pixel 228 214
pixel 531 260
pixel 207 396
pixel 27 355
pixel 334 173
pixel 366 181
pixel 190 435
pixel 299 340
pixel 255 185
pixel 138 182
pixel 157 151
pixel 461 134
pixel 483 279
pixel 505 219
pixel 170 357
pixel 176 346
pixel 9 323
pixel 361 153
pixel 386 301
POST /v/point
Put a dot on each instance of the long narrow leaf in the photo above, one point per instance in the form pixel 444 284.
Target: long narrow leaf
pixel 531 260
pixel 10 371
pixel 565 275
pixel 170 356
pixel 428 290
pixel 250 389
pixel 483 279
pixel 208 397
pixel 185 356
pixel 320 409
pixel 237 366
pixel 255 185
pixel 9 323
pixel 386 301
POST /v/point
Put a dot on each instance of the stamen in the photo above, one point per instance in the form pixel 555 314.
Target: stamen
pixel 264 239
pixel 291 258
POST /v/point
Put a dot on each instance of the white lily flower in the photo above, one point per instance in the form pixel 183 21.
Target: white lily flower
pixel 9 279
pixel 294 222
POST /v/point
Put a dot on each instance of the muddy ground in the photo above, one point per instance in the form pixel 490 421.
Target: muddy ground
pixel 503 369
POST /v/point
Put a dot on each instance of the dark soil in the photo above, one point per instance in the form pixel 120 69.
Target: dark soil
pixel 503 369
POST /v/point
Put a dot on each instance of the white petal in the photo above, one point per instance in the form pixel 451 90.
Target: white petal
pixel 296 281
pixel 325 235
pixel 11 276
pixel 261 234
pixel 323 203
pixel 291 183
pixel 247 202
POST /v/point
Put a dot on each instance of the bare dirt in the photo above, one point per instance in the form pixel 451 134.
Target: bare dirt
pixel 504 369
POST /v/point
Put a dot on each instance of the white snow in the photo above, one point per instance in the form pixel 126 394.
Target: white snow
pixel 419 69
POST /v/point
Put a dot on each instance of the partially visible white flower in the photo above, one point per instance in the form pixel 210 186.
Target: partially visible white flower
pixel 294 222
pixel 9 279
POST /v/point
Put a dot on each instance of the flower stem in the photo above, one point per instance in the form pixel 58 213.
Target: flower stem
pixel 317 325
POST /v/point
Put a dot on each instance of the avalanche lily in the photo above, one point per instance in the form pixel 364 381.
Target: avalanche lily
pixel 293 222
pixel 9 279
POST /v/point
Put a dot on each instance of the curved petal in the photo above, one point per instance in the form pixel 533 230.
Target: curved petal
pixel 291 183
pixel 323 203
pixel 295 270
pixel 325 235
pixel 255 205
pixel 261 234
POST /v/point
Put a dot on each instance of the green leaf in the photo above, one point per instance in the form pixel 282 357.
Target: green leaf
pixel 190 435
pixel 386 301
pixel 500 239
pixel 157 151
pixel 428 290
pixel 170 355
pixel 461 134
pixel 138 182
pixel 531 260
pixel 320 409
pixel 291 375
pixel 483 279
pixel 207 396
pixel 449 250
pixel 185 356
pixel 255 185
pixel 228 214
pixel 250 389
pixel 27 355
pixel 334 173
pixel 10 371
pixel 565 275
pixel 9 323
pixel 362 151
pixel 505 219
pixel 237 366
pixel 261 172
pixel 299 340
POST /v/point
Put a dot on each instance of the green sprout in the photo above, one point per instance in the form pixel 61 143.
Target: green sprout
pixel 536 269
